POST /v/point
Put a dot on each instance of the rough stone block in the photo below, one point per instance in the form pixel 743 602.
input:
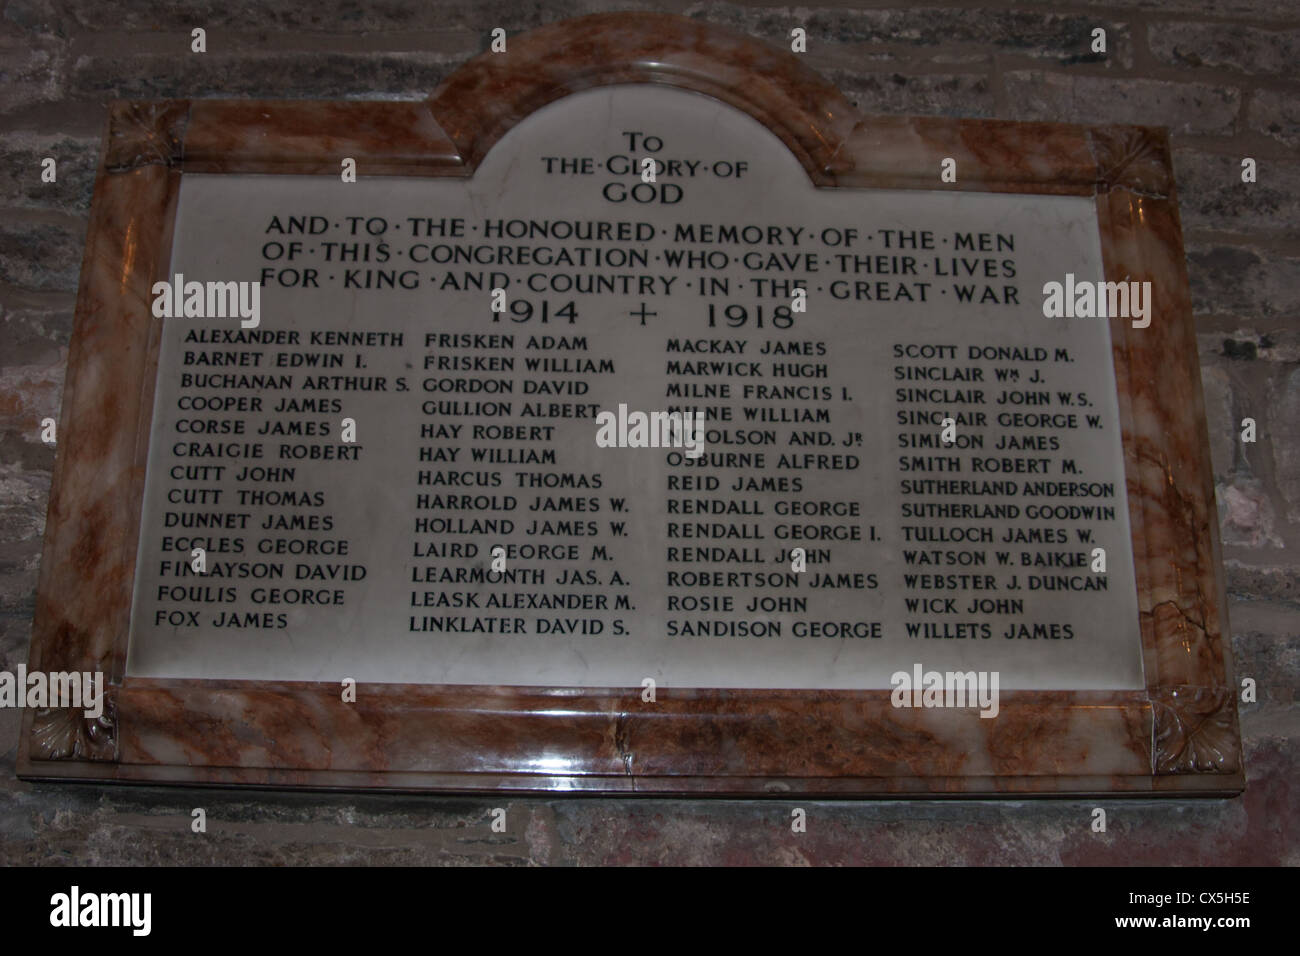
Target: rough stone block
pixel 1212 196
pixel 1226 46
pixel 21 183
pixel 1276 114
pixel 1242 280
pixel 937 95
pixel 40 255
pixel 1201 108
pixel 30 73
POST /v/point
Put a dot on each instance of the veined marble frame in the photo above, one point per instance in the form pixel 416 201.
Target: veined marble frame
pixel 1179 734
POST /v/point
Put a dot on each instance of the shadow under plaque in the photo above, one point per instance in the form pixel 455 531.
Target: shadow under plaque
pixel 375 525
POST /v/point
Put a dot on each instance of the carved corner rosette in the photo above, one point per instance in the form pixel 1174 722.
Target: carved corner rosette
pixel 146 133
pixel 67 733
pixel 1194 730
pixel 1135 158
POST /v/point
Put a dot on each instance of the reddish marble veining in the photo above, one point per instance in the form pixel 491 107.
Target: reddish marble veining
pixel 1175 529
pixel 1178 735
pixel 314 137
pixel 493 92
pixel 899 152
pixel 87 569
pixel 145 133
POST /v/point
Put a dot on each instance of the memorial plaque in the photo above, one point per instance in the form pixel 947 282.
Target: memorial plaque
pixel 645 421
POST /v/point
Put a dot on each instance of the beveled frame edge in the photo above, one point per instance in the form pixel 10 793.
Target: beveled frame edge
pixel 92 525
pixel 1180 734
pixel 1187 654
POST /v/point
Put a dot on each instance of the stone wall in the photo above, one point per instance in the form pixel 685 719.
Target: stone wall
pixel 1222 76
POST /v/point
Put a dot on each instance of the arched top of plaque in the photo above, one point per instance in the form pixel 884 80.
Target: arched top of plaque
pixel 450 133
pixel 482 100
pixel 837 145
